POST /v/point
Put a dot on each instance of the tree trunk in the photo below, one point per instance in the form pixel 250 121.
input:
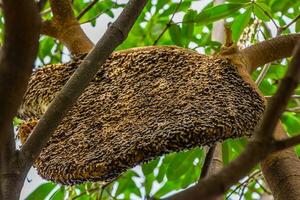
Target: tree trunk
pixel 11 186
pixel 282 171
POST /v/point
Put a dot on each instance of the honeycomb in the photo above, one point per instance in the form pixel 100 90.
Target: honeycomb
pixel 143 103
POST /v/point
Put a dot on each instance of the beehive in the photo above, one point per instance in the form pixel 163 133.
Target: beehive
pixel 143 103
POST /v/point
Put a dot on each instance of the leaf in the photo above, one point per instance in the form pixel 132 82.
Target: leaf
pixel 175 33
pixel 188 28
pixel 41 192
pixel 175 8
pixel 161 3
pixel 291 122
pixel 225 153
pixel 148 168
pixel 167 188
pixel 181 163
pixel 262 11
pixel 46 45
pixel 127 184
pixel 148 184
pixel 218 12
pixel 59 194
pixel 240 23
pixel 297 26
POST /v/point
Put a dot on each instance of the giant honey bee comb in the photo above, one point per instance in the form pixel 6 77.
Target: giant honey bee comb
pixel 143 103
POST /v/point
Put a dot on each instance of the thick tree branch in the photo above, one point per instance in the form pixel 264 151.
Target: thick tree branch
pixel 65 27
pixel 115 35
pixel 258 149
pixel 281 169
pixel 22 26
pixel 269 50
pixel 21 35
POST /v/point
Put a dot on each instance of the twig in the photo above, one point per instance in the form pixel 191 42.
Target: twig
pixel 294 109
pixel 266 67
pixel 262 74
pixel 93 18
pixel 266 13
pixel 286 143
pixel 41 4
pixel 207 161
pixel 293 96
pixel 281 29
pixel 168 24
pixel 250 177
pixel 86 9
pixel 263 187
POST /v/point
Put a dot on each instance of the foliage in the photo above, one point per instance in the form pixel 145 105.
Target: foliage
pixel 182 23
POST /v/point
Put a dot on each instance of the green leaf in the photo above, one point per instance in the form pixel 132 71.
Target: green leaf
pixel 188 28
pixel 262 11
pixel 174 8
pixel 148 183
pixel 167 188
pixel 218 12
pixel 161 3
pixel 297 26
pixel 291 122
pixel 59 194
pixel 41 192
pixel 225 153
pixel 175 33
pixel 46 45
pixel 240 23
pixel 182 162
pixel 127 184
pixel 148 168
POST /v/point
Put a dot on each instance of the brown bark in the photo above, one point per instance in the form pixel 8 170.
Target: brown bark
pixel 282 171
pixel 216 162
pixel 65 27
pixel 269 50
pixel 18 53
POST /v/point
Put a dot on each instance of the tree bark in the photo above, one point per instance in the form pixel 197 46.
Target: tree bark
pixel 65 27
pixel 18 53
pixel 269 50
pixel 282 171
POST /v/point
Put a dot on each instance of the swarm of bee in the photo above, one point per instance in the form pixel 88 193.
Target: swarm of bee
pixel 143 103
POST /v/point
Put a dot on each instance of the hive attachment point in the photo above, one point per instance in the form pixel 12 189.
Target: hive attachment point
pixel 143 103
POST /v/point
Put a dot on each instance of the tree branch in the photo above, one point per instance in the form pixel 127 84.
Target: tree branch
pixel 18 53
pixel 63 23
pixel 258 149
pixel 115 35
pixel 22 26
pixel 207 161
pixel 269 50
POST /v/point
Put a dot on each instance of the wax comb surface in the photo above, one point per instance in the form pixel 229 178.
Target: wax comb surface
pixel 143 103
